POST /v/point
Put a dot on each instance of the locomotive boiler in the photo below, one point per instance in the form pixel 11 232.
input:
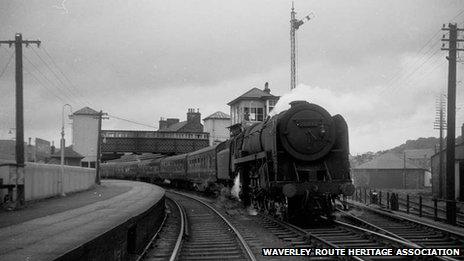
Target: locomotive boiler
pixel 294 164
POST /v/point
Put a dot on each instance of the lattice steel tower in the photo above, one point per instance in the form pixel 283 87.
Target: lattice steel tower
pixel 294 25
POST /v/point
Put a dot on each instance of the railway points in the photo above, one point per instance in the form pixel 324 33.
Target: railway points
pixel 269 237
pixel 418 232
pixel 94 224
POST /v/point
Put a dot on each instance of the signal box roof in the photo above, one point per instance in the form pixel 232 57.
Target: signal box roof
pixel 254 94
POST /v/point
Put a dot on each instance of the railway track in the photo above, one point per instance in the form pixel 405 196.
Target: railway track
pixel 336 235
pixel 167 240
pixel 204 233
pixel 419 235
pixel 195 230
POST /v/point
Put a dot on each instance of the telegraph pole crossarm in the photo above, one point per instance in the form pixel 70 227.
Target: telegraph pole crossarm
pixel 18 44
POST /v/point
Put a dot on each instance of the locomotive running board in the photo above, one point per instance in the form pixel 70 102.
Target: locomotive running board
pixel 256 156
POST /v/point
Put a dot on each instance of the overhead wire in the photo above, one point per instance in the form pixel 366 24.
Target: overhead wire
pixel 78 92
pixel 57 77
pixel 40 83
pixel 131 121
pixel 73 86
pixel 430 45
pixel 6 65
pixel 67 97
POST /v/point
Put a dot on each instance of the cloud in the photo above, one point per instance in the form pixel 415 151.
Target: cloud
pixel 142 60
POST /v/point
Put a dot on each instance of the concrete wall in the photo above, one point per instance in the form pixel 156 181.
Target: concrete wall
pixel 43 180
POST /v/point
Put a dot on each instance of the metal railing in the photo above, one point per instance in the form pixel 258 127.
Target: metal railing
pixel 422 206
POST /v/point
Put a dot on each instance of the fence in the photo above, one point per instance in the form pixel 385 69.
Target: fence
pixel 412 204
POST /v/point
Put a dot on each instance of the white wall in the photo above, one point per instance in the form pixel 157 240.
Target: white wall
pixel 217 129
pixel 85 136
pixel 44 180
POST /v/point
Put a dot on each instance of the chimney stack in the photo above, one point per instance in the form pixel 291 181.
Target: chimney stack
pixel 193 116
pixel 266 88
pixel 162 124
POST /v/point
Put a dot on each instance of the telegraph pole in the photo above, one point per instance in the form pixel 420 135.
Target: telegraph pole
pixel 440 124
pixel 18 44
pixel 451 122
pixel 97 163
pixel 294 25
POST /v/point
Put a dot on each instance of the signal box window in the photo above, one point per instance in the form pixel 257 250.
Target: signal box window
pixel 254 114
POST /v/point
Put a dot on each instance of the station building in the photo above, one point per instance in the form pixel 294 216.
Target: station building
pixel 439 188
pixel 71 157
pixel 389 171
pixel 216 125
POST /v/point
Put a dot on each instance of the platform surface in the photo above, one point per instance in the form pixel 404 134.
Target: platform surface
pixel 50 228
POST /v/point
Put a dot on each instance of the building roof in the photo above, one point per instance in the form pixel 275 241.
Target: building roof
pixel 86 111
pixel 218 115
pixel 68 153
pixel 389 160
pixel 253 94
pixel 175 126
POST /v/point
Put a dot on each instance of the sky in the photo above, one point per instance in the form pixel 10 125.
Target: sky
pixel 377 63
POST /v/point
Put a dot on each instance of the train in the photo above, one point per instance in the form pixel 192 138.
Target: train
pixel 293 165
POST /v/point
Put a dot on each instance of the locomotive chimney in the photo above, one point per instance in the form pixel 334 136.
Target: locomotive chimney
pixel 295 103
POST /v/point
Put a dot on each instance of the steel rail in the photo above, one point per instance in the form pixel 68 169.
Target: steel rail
pixel 401 218
pixel 248 251
pixel 139 257
pixel 306 233
pixel 183 217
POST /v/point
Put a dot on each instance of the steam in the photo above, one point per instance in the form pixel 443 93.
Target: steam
pixel 235 191
pixel 284 101
pixel 320 96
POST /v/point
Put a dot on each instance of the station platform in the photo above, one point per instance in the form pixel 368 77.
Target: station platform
pixel 49 229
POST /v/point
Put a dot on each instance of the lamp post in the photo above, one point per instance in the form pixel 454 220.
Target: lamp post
pixel 62 148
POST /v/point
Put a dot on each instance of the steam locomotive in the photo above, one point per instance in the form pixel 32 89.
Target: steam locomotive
pixel 293 165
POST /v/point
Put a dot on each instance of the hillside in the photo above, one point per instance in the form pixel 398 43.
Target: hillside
pixel 420 143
